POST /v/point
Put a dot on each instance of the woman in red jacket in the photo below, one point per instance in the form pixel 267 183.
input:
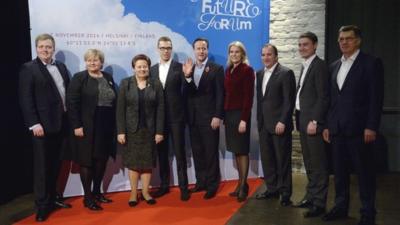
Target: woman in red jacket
pixel 239 91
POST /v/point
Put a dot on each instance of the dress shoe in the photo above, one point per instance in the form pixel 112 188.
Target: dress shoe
pixel 58 203
pixel 366 220
pixel 235 192
pixel 185 195
pixel 132 203
pixel 149 201
pixel 197 188
pixel 314 211
pixel 243 192
pixel 267 195
pixel 305 203
pixel 285 201
pixel 42 215
pixel 334 214
pixel 210 194
pixel 92 205
pixel 101 198
pixel 161 192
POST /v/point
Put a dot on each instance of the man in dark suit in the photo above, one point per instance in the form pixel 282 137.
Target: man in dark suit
pixel 205 106
pixel 312 102
pixel 276 87
pixel 356 90
pixel 169 72
pixel 42 85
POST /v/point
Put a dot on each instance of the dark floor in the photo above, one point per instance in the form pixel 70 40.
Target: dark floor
pixel 269 212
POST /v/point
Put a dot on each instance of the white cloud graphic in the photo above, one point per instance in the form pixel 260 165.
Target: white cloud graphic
pixel 115 31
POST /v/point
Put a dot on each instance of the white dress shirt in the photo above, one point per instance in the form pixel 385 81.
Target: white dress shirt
pixel 345 68
pixel 266 77
pixel 163 69
pixel 306 65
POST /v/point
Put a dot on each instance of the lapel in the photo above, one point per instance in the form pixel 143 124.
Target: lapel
pixel 170 73
pixel 64 74
pixel 204 74
pixel 47 76
pixel 335 74
pixel 134 89
pixel 272 79
pixel 352 69
pixel 307 75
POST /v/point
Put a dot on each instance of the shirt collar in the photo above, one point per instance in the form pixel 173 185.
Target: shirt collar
pixel 168 63
pixel 53 62
pixel 352 57
pixel 202 64
pixel 308 61
pixel 272 68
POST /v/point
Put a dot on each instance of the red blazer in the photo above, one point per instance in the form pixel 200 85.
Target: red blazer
pixel 239 90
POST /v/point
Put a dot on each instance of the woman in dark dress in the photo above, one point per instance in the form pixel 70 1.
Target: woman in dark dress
pixel 91 100
pixel 140 125
pixel 239 90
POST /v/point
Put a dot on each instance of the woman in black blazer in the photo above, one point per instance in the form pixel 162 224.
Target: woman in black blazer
pixel 91 100
pixel 140 125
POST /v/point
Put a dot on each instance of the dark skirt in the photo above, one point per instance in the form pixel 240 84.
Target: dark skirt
pixel 100 144
pixel 238 143
pixel 139 153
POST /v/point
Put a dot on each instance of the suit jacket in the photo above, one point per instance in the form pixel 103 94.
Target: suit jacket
pixel 173 92
pixel 39 97
pixel 207 100
pixel 128 106
pixel 314 95
pixel 278 102
pixel 358 105
pixel 82 99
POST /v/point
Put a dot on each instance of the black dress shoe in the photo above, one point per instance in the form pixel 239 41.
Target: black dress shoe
pixel 197 188
pixel 185 195
pixel 92 205
pixel 334 214
pixel 314 211
pixel 267 195
pixel 235 193
pixel 61 204
pixel 150 201
pixel 285 201
pixel 305 203
pixel 210 194
pixel 161 192
pixel 366 221
pixel 101 198
pixel 132 203
pixel 243 192
pixel 42 215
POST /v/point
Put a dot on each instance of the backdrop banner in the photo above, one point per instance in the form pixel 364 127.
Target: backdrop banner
pixel 124 28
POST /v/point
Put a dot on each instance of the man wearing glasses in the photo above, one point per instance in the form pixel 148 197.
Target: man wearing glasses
pixel 356 89
pixel 169 72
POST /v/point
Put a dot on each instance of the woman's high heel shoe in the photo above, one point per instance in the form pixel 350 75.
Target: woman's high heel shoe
pixel 243 192
pixel 91 204
pixel 235 193
pixel 150 201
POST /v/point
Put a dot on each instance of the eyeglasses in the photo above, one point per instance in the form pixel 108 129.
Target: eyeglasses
pixel 165 48
pixel 346 39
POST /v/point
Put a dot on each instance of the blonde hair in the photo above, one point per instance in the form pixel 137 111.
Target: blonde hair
pixel 94 53
pixel 42 37
pixel 244 57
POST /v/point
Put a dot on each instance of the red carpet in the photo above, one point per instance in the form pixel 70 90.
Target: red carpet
pixel 168 210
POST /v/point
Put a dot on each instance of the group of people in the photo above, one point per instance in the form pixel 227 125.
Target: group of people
pixel 148 114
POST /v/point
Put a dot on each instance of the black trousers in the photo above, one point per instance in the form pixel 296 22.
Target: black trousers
pixel 353 152
pixel 316 164
pixel 276 160
pixel 46 167
pixel 174 133
pixel 204 142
